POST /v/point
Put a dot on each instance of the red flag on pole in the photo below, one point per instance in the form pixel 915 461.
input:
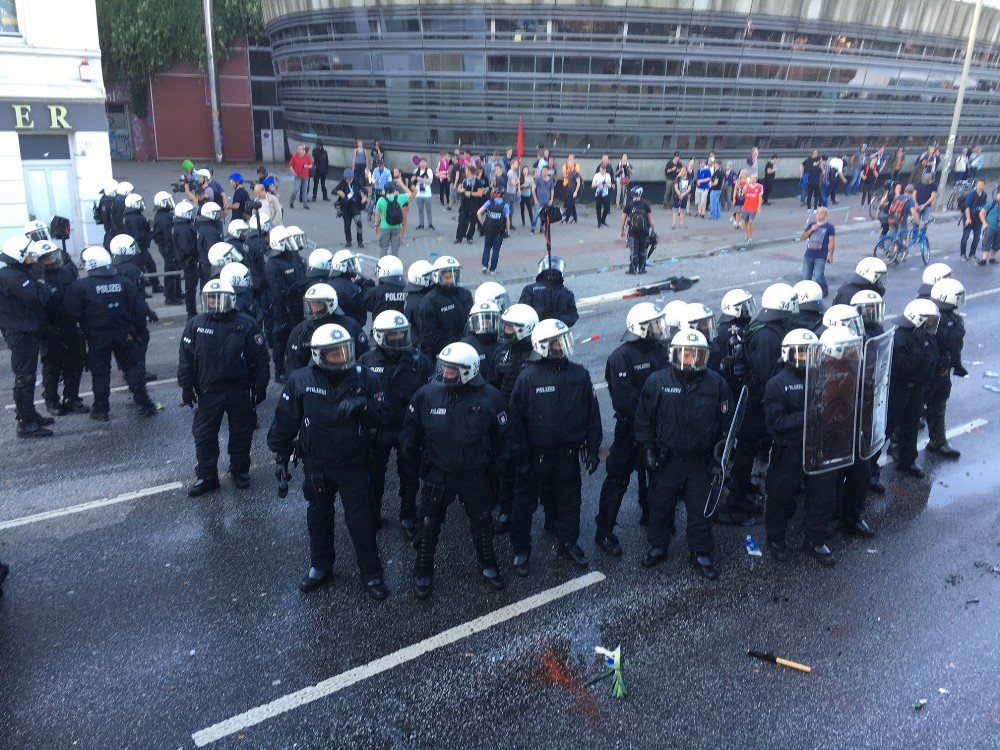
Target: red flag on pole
pixel 520 138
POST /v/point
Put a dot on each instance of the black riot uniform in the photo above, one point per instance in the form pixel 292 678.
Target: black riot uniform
pixel 486 346
pixel 247 303
pixel 510 359
pixel 117 214
pixel 443 315
pixel 390 293
pixel 950 341
pixel 626 373
pixel 184 237
pixel 111 311
pixel 163 237
pixel 333 415
pixel 223 371
pixel 728 354
pixel 809 317
pixel 411 309
pixel 23 296
pixel 915 362
pixel 857 284
pixel 103 216
pixel 550 298
pixel 679 419
pixel 293 299
pixel 281 272
pixel 63 350
pixel 556 417
pixel 298 353
pixel 455 434
pixel 257 247
pixel 401 374
pixel 350 294
pixel 209 232
pixel 138 227
pixel 130 269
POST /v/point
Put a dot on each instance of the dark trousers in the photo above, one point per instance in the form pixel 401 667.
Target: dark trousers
pixel 101 345
pixel 852 489
pixel 751 436
pixel 282 327
pixel 349 218
pixel 624 457
pixel 527 204
pixel 441 489
pixel 322 483
pixel 319 182
pixel 24 364
pixel 466 223
pixel 784 477
pixel 444 191
pixel 906 402
pixel 569 208
pixel 687 477
pixel 62 359
pixel 235 404
pixel 557 468
pixel 637 252
pixel 603 209
pixel 976 231
pixel 191 288
pixel 145 261
pixel 491 250
pixel 409 480
pixel 812 196
pixel 171 284
pixel 768 187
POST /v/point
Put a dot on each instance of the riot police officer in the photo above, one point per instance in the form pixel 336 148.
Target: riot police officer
pixel 123 255
pixel 317 272
pixel 455 426
pixel 389 292
pixel 118 207
pixel 868 275
pixel 737 310
pixel 491 291
pixel 102 211
pixel 209 227
pixel 23 296
pixel 238 277
pixel 626 371
pixel 548 296
pixel 281 271
pixel 222 254
pixel 914 363
pixel 784 414
pixel 137 225
pixel 444 311
pixel 418 283
pixel 321 307
pixel 237 232
pixel 684 410
pixel 258 244
pixel 949 295
pixel 184 237
pixel 557 423
pixel 401 370
pixel 222 371
pixel 162 224
pixel 333 407
pixel 931 275
pixel 350 285
pixel 111 311
pixel 484 327
pixel 62 344
pixel 811 307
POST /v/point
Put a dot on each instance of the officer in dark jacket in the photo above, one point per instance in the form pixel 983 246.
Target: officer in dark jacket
pixel 948 295
pixel 209 226
pixel 222 371
pixel 123 254
pixel 915 362
pixel 418 283
pixel 455 427
pixel 321 168
pixel 102 212
pixel 484 327
pixel 811 307
pixel 110 310
pixel 557 423
pixel 346 279
pixel 238 276
pixel 333 407
pixel 317 272
pixel 137 225
pixel 162 225
pixel 444 311
pixel 23 296
pixel 184 237
pixel 868 274
pixel 63 351
pixel 389 292
pixel 401 370
pixel 784 415
pixel 626 372
pixel 323 308
pixel 737 310
pixel 257 248
pixel 548 295
pixel 762 350
pixel 683 412
pixel 118 207
pixel 281 271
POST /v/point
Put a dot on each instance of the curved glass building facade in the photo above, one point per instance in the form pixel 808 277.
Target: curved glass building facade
pixel 644 78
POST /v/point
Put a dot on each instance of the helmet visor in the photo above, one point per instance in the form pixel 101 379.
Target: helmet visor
pixel 453 374
pixel 448 276
pixel 689 358
pixel 217 302
pixel 561 346
pixel 872 312
pixel 37 235
pixel 657 328
pixel 335 357
pixel 706 326
pixel 796 355
pixel 394 339
pixel 316 307
pixel 484 323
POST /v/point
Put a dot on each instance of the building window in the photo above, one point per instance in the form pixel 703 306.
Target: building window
pixel 8 17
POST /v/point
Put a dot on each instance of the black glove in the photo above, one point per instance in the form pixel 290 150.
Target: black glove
pixel 350 405
pixel 961 372
pixel 259 397
pixel 153 317
pixel 590 460
pixel 282 474
pixel 652 459
pixel 188 396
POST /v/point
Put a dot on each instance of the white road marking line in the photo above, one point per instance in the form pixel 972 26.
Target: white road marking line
pixel 964 429
pixel 334 684
pixel 83 507
pixel 116 389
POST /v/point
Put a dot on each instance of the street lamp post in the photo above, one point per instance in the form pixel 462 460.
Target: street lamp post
pixel 212 91
pixel 953 133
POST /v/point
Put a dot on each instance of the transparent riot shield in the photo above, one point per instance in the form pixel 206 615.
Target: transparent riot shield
pixel 874 405
pixel 831 401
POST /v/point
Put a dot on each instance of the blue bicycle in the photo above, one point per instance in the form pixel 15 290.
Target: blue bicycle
pixel 896 246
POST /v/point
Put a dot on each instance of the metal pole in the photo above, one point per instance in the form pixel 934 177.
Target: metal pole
pixel 212 91
pixel 953 133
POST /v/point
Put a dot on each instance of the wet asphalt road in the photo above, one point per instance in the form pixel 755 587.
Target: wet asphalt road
pixel 140 624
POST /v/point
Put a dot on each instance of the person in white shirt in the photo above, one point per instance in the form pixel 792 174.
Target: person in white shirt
pixel 836 175
pixel 422 180
pixel 602 194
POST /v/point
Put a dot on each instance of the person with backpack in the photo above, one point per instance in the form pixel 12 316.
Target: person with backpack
pixel 390 219
pixel 494 217
pixel 638 220
pixel 989 217
pixel 902 209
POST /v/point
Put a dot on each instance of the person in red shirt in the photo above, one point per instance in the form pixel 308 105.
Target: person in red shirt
pixel 751 205
pixel 301 165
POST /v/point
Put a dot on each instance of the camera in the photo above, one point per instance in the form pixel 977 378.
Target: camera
pixel 252 205
pixel 182 183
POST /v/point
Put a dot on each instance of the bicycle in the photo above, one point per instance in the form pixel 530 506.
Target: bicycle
pixel 958 193
pixel 876 200
pixel 895 247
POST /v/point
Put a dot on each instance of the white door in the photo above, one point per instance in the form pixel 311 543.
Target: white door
pixel 51 191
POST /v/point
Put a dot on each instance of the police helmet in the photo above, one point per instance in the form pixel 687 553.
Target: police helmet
pixel 123 247
pixel 124 188
pixel 221 253
pixel 332 348
pixel 738 303
pixel 419 273
pixel 94 257
pixel 810 295
pixel 185 210
pixel 870 306
pixel 781 299
pixel 517 322
pixel 278 240
pixel 218 296
pixel 344 261
pixel 238 229
pixel 871 269
pixel 484 318
pixel 391 331
pixel 237 274
pixel 646 320
pixel 320 261
pixel 846 316
pixel 674 313
pixel 935 272
pixel 922 313
pixel 447 271
pixel 323 297
pixel 795 347
pixel 491 291
pixel 689 350
pixel 163 199
pixel 48 253
pixel 552 339
pixel 458 364
pixel 211 211
pixel 701 318
pixel 134 201
pixel 555 263
pixel 838 341
pixel 949 294
pixel 389 266
pixel 36 231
